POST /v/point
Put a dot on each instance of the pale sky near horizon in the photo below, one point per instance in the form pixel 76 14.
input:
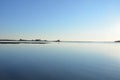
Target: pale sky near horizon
pixel 60 19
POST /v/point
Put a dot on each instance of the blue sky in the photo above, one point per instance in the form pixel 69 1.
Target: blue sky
pixel 60 19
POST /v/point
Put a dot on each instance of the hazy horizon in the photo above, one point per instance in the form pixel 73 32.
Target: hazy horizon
pixel 70 20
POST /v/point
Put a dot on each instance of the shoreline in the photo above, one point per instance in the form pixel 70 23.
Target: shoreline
pixel 24 42
pixel 47 42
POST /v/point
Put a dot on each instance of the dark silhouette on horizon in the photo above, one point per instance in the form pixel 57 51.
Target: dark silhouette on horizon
pixel 117 41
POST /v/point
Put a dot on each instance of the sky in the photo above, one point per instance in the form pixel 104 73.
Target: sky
pixel 76 20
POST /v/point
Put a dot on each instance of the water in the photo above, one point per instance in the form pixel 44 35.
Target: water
pixel 60 61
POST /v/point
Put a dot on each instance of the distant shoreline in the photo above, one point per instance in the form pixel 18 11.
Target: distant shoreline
pixel 24 42
pixel 39 41
pixel 46 42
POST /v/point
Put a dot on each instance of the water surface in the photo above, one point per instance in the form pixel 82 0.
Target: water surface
pixel 60 61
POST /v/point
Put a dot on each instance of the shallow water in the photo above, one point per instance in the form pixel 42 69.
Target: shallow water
pixel 60 61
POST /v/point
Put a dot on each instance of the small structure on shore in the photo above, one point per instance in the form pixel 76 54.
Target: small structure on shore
pixel 57 41
pixel 22 40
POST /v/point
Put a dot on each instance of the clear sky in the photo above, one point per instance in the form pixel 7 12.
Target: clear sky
pixel 60 19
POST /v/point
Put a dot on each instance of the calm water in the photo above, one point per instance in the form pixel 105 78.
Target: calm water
pixel 60 61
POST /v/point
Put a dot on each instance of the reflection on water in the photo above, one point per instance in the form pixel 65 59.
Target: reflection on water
pixel 60 61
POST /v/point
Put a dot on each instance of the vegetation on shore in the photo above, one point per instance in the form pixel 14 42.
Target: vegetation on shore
pixel 117 41
pixel 24 41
